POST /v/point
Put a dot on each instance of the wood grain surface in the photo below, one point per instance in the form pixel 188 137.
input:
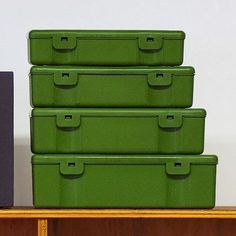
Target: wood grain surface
pixel 142 227
pixel 18 227
pixel 103 222
pixel 42 227
pixel 223 213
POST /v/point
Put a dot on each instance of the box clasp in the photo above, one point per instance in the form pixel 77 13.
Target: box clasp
pixel 68 120
pixel 150 42
pixel 178 167
pixel 170 121
pixel 71 167
pixel 65 78
pixel 64 42
pixel 160 79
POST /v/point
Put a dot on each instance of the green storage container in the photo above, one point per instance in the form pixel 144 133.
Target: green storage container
pixel 112 86
pixel 107 130
pixel 99 181
pixel 106 47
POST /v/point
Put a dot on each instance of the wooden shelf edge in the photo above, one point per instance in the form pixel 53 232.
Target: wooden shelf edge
pixel 217 213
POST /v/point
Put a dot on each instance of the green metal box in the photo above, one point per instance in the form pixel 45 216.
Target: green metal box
pixel 100 181
pixel 117 131
pixel 106 47
pixel 63 86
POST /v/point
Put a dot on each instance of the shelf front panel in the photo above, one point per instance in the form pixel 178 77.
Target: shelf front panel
pixel 217 213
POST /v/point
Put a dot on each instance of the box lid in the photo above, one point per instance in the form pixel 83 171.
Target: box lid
pixel 123 112
pixel 164 34
pixel 177 70
pixel 74 164
pixel 123 159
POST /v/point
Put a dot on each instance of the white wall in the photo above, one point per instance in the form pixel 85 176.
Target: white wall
pixel 210 47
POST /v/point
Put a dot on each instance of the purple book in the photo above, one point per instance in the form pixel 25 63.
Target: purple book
pixel 6 139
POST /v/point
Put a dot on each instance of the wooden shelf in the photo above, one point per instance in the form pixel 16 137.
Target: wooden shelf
pixel 42 218
pixel 216 213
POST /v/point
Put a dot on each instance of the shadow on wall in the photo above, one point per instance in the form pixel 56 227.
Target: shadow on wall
pixel 224 148
pixel 22 173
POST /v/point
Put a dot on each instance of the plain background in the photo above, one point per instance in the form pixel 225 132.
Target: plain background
pixel 210 47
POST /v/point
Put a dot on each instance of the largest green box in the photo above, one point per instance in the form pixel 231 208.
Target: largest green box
pixel 99 181
pixel 100 130
pixel 106 47
pixel 63 86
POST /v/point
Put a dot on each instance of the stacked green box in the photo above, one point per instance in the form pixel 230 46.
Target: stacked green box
pixel 106 48
pixel 110 128
pixel 137 181
pixel 80 86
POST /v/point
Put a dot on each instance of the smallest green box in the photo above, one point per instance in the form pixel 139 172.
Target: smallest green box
pixel 106 47
pixel 124 181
